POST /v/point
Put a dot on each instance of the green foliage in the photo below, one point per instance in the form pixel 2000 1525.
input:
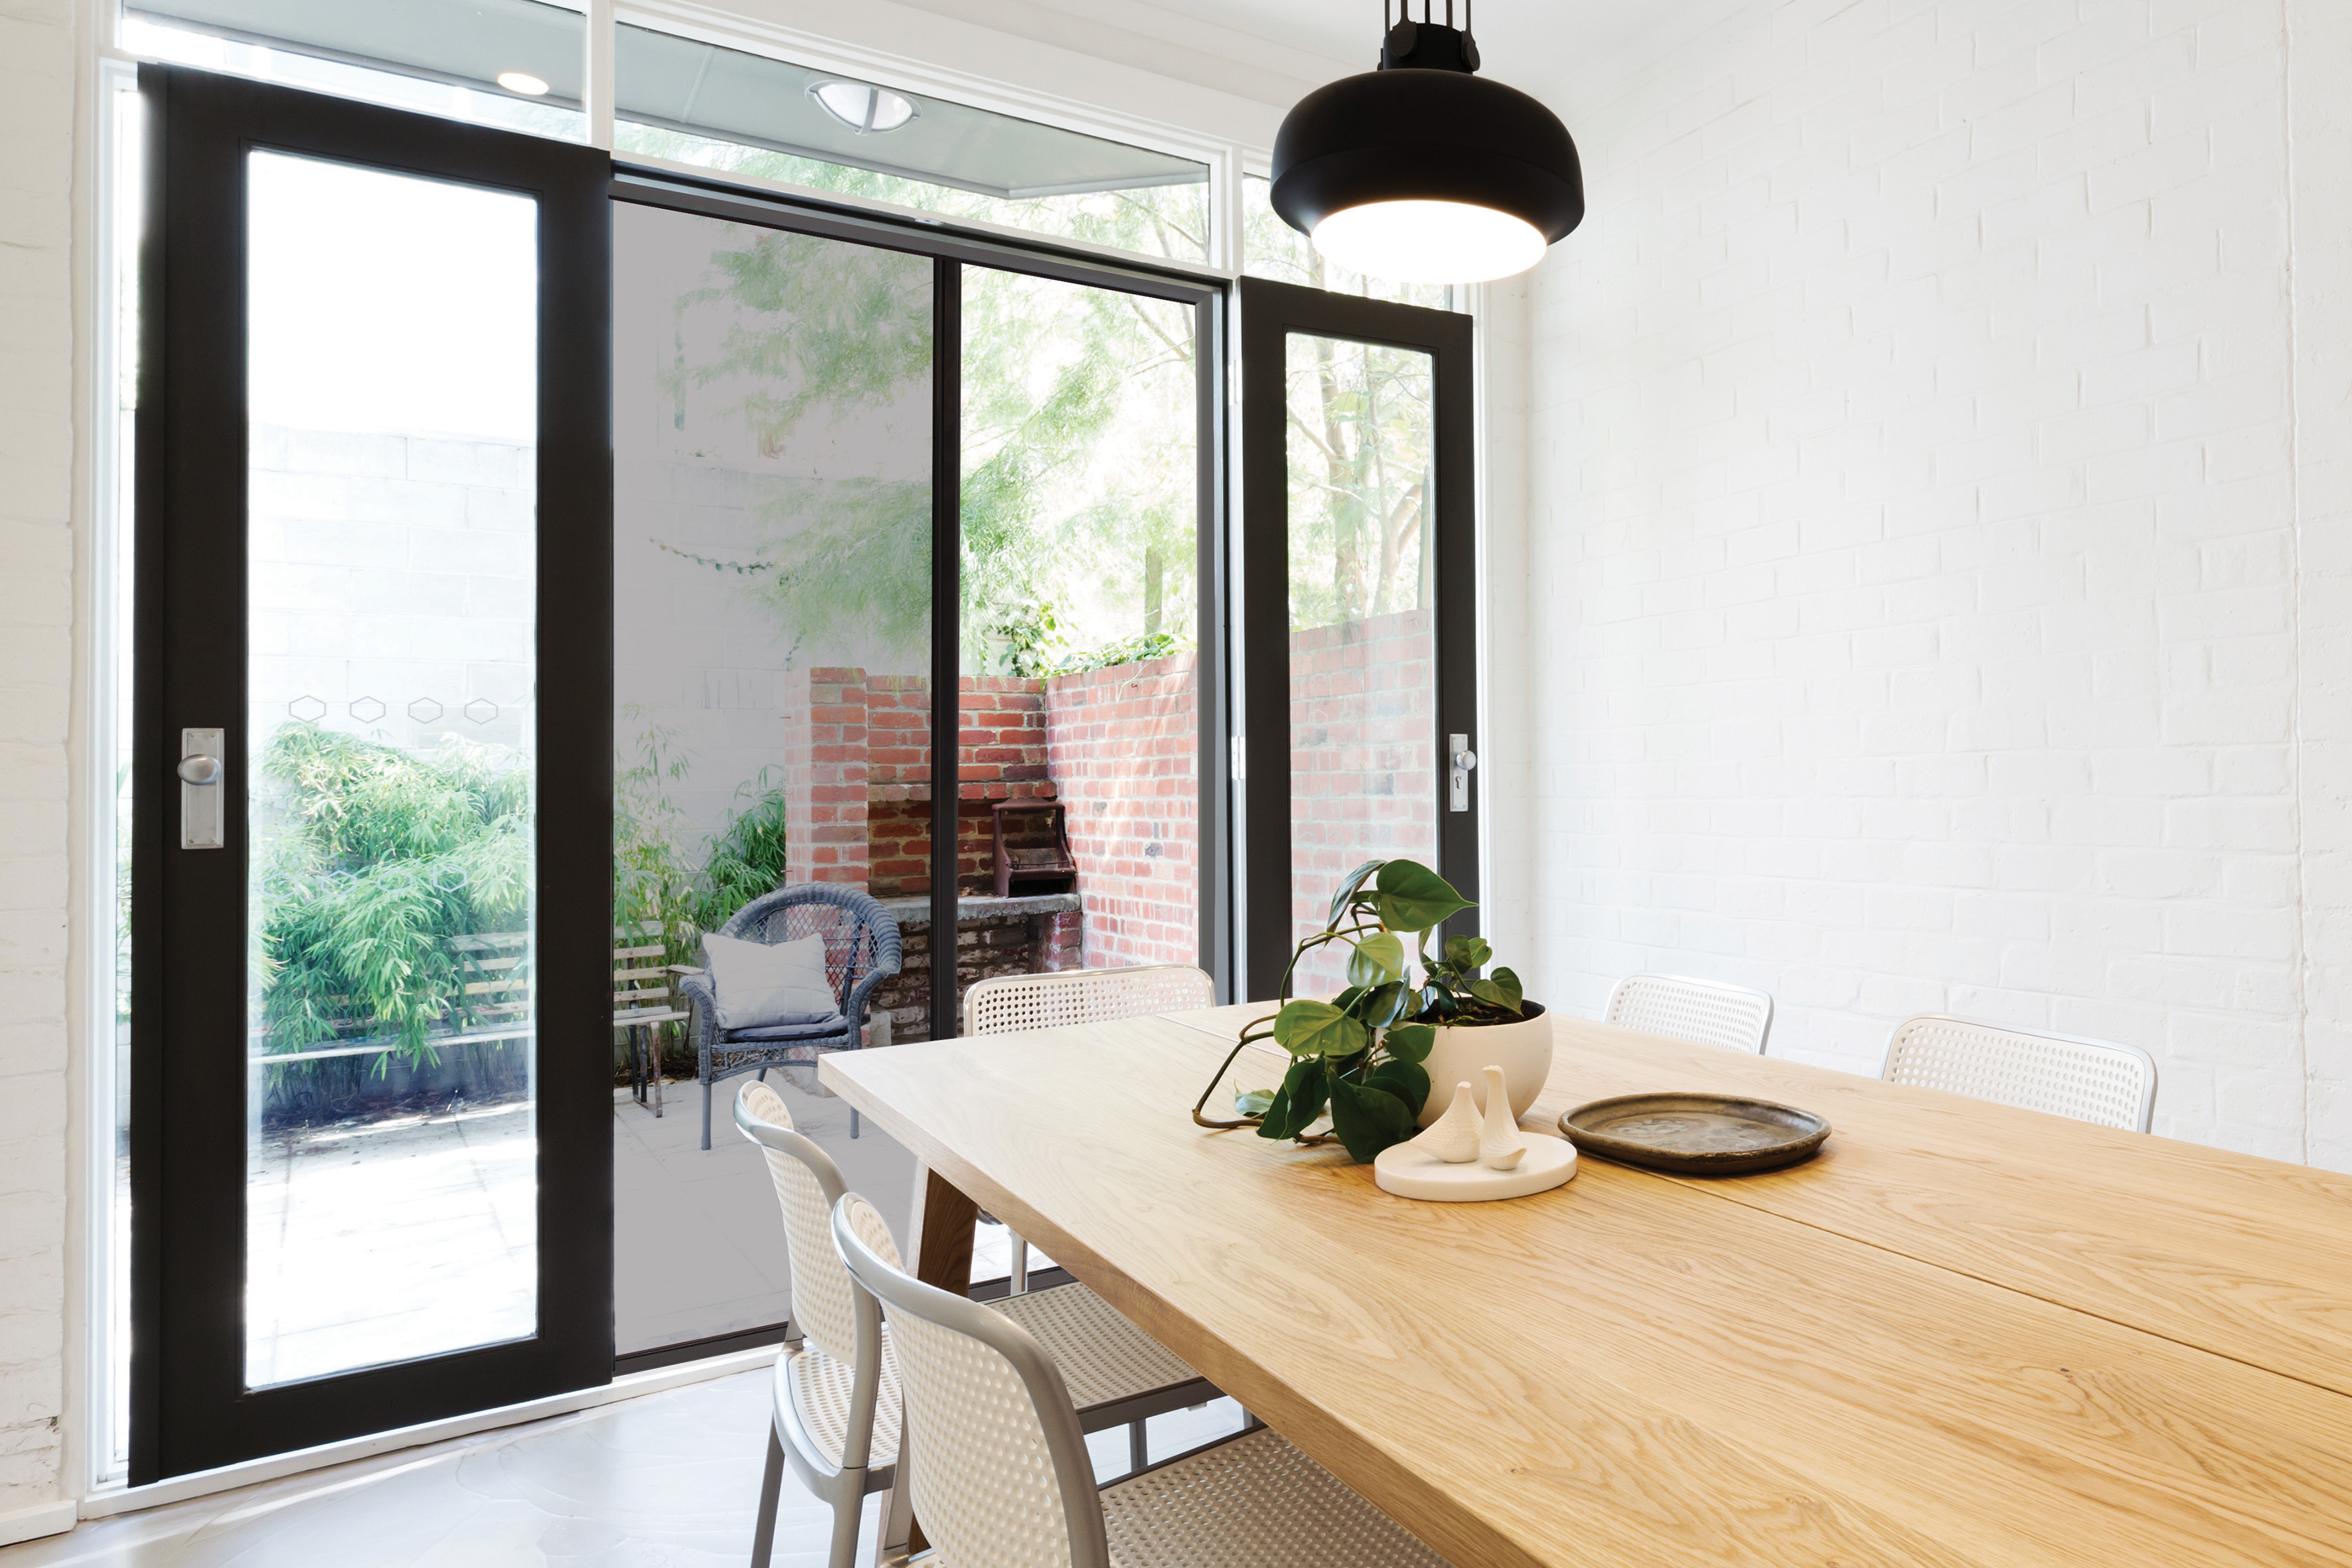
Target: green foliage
pixel 1077 490
pixel 1358 1056
pixel 655 884
pixel 378 860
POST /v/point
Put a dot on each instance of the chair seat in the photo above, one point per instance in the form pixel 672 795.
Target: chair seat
pixel 822 1029
pixel 1253 1502
pixel 817 1388
pixel 1104 1359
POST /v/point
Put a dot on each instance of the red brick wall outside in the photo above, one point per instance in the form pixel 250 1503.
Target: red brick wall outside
pixel 1363 760
pixel 1121 746
pixel 826 758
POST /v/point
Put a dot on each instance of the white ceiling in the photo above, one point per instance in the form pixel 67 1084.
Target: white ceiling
pixel 1273 50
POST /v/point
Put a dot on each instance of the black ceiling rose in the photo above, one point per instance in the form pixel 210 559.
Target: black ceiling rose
pixel 1425 127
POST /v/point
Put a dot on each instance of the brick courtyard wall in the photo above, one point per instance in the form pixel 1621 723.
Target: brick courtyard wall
pixel 825 765
pixel 1122 747
pixel 1363 760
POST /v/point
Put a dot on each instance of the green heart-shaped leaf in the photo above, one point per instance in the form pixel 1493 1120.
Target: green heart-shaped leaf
pixel 1467 952
pixel 1298 1101
pixel 1254 1102
pixel 1384 1004
pixel 1318 1030
pixel 1376 959
pixel 1367 1119
pixel 1348 889
pixel 1415 898
pixel 1407 1080
pixel 1410 1042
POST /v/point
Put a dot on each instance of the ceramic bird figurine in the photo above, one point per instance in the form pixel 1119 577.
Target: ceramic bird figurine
pixel 1500 1147
pixel 1453 1136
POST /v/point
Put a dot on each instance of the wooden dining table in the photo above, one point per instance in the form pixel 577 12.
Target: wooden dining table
pixel 1961 1334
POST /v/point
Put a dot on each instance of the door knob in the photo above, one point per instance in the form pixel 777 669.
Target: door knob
pixel 1460 760
pixel 204 820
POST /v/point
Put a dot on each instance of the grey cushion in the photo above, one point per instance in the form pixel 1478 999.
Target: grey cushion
pixel 833 1028
pixel 760 985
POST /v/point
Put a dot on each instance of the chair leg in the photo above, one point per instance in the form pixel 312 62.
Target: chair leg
pixel 1139 1447
pixel 895 1540
pixel 1020 1269
pixel 853 1124
pixel 772 1486
pixel 706 1112
pixel 848 1509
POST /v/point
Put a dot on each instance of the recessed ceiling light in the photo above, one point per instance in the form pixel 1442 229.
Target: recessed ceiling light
pixel 523 82
pixel 863 108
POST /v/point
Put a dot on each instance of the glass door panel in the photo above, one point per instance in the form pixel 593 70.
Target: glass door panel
pixel 392 1189
pixel 1079 839
pixel 1362 643
pixel 1360 612
pixel 771 645
pixel 371 967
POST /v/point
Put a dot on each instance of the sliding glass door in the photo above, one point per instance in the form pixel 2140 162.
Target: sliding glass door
pixel 858 469
pixel 372 582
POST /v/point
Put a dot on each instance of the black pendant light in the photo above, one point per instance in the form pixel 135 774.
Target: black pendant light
pixel 1423 171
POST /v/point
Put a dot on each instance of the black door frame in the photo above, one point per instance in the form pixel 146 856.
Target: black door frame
pixel 951 251
pixel 1270 312
pixel 190 1409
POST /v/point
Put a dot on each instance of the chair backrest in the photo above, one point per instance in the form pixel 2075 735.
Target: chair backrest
pixel 998 1468
pixel 860 937
pixel 1706 1011
pixel 825 1304
pixel 2066 1075
pixel 1009 1003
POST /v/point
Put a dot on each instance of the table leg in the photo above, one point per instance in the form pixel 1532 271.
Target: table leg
pixel 945 1222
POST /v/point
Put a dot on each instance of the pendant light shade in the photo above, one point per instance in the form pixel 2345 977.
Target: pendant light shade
pixel 1423 171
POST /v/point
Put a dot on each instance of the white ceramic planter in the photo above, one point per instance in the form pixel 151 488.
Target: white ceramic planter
pixel 1523 1050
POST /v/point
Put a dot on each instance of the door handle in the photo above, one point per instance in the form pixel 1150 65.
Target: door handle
pixel 202 817
pixel 1460 758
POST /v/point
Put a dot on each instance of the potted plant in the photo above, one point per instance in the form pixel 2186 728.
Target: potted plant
pixel 1368 1056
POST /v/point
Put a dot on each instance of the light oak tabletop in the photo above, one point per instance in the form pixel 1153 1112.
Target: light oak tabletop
pixel 1962 1335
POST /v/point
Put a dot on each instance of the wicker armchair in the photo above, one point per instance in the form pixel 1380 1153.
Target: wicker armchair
pixel 861 949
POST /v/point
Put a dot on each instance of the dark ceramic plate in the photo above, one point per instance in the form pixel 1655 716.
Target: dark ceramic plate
pixel 1696 1134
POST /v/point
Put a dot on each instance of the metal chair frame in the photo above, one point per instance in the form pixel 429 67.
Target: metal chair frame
pixel 1894 1069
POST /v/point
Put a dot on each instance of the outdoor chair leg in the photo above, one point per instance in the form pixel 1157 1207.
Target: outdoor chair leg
pixel 772 1486
pixel 1139 1447
pixel 706 1112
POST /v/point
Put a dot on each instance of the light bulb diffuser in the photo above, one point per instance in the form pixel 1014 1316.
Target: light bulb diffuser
pixel 1490 172
pixel 523 82
pixel 1429 242
pixel 863 107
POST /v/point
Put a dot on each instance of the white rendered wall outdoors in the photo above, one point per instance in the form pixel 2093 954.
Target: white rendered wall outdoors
pixel 1936 562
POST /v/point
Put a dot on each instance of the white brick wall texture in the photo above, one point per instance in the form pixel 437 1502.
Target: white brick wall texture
pixel 1937 567
pixel 36 456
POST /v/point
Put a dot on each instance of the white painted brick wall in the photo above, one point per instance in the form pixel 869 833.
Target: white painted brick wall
pixel 1920 615
pixel 37 391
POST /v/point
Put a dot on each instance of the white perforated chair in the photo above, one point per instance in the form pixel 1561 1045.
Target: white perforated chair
pixel 2066 1075
pixel 998 1471
pixel 836 1418
pixel 1011 1004
pixel 1706 1011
